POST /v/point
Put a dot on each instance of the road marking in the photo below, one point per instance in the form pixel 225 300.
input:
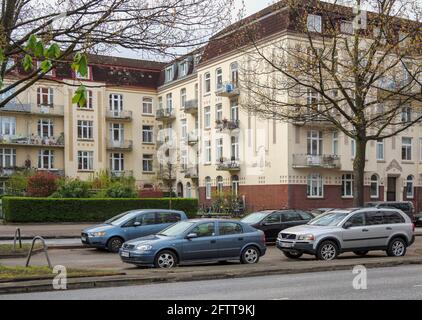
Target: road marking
pixel 418 285
pixel 280 299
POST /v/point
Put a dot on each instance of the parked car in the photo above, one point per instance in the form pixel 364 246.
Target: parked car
pixel 318 211
pixel 202 240
pixel 129 225
pixel 356 230
pixel 273 221
pixel 405 206
pixel 418 219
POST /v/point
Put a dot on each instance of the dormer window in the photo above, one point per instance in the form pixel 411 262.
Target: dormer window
pixel 10 64
pixel 346 27
pixel 314 23
pixel 169 74
pixel 49 73
pixel 86 77
pixel 183 69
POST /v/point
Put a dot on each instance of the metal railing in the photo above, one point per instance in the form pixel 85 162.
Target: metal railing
pixel 124 173
pixel 228 165
pixel 45 109
pixel 124 144
pixel 191 172
pixel 191 106
pixel 228 89
pixel 323 161
pixel 45 248
pixel 119 114
pixel 227 124
pixel 17 237
pixel 33 140
pixel 167 113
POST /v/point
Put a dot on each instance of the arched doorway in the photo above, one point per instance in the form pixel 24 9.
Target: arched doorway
pixel 180 190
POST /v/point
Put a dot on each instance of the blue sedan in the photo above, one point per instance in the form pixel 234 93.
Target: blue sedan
pixel 199 240
pixel 129 225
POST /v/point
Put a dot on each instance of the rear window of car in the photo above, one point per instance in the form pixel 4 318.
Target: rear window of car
pixel 291 216
pixel 393 217
pixel 374 218
pixel 305 215
pixel 273 218
pixel 168 217
pixel 227 228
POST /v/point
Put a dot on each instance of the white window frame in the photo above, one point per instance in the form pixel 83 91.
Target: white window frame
pixel 50 73
pixel 380 147
pixel 406 147
pixel 410 182
pixel 85 160
pixel 183 129
pixel 219 112
pixel 207 154
pixel 234 110
pixel 7 157
pixel 45 96
pixel 353 148
pixel 346 179
pixel 207 82
pixel 147 106
pixel 86 77
pixel 183 68
pixel 147 163
pixel 208 187
pixel 219 149
pixel 45 159
pixel 147 134
pixel 115 102
pixel 235 151
pixel 183 98
pixel 315 186
pixel 335 144
pixel 374 182
pixel 314 141
pixel 220 184
pixel 169 101
pixel 218 78
pixel 7 126
pixel 85 129
pixel 314 23
pixel 207 117
pixel 117 162
pixel 169 74
pixel 406 114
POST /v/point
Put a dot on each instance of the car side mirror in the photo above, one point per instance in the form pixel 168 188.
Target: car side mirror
pixel 347 225
pixel 191 236
pixel 136 224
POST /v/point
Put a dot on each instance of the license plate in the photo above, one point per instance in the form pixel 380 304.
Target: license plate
pixel 83 239
pixel 286 245
pixel 125 254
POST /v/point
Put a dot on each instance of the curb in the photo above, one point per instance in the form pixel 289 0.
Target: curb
pixel 113 281
pixel 5 238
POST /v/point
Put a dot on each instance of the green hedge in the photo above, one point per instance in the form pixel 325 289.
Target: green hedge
pixel 24 209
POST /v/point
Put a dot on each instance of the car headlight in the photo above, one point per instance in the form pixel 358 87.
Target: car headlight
pixel 97 234
pixel 306 237
pixel 143 247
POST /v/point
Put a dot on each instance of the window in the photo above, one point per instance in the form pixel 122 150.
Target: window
pixel 85 160
pixel 147 105
pixel 184 128
pixel 196 91
pixel 374 218
pixel 116 103
pixel 45 96
pixel 315 186
pixel 346 27
pixel 85 77
pixel 207 151
pixel 48 73
pixel 409 187
pixel 234 110
pixel 160 103
pixel 167 217
pixel 207 82
pixel 148 219
pixel 89 101
pixel 220 184
pixel 357 220
pixel 147 163
pixel 347 185
pixel 207 117
pixel 406 115
pixel 208 188
pixel 218 78
pixel 169 74
pixel 312 101
pixel 234 71
pixel 227 228
pixel 406 149
pixel 314 146
pixel 219 112
pixel 374 186
pixel 391 217
pixel 46 159
pixel 7 126
pixel 184 159
pixel 7 158
pixel 314 23
pixel 85 129
pixel 219 149
pixel 335 143
pixel 117 162
pixel 290 216
pixel 235 147
pixel 183 69
pixel 188 190
pixel 274 218
pixel 169 101
pixel 183 98
pixel 353 148
pixel 380 149
pixel 147 134
pixel 117 132
pixel 235 185
pixel 206 229
pixel 45 128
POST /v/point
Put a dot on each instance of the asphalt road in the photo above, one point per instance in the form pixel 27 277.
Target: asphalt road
pixel 403 282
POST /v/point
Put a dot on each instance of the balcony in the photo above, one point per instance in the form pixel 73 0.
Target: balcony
pixel 31 108
pixel 120 145
pixel 191 106
pixel 120 174
pixel 228 89
pixel 226 124
pixel 6 172
pixel 316 161
pixel 191 173
pixel 122 115
pixel 165 115
pixel 33 141
pixel 228 165
pixel 192 138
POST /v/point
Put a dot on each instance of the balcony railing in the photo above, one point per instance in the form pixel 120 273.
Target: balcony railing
pixel 165 114
pixel 6 172
pixel 122 173
pixel 228 89
pixel 119 115
pixel 322 161
pixel 120 145
pixel 228 165
pixel 46 109
pixel 191 173
pixel 192 138
pixel 191 106
pixel 227 124
pixel 35 141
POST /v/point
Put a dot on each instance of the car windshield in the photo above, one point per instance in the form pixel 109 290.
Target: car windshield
pixel 254 217
pixel 120 218
pixel 176 229
pixel 332 218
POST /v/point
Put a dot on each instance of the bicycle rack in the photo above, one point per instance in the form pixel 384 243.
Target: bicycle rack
pixel 16 237
pixel 44 247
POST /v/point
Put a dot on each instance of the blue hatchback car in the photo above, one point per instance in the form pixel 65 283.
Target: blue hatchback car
pixel 129 225
pixel 203 240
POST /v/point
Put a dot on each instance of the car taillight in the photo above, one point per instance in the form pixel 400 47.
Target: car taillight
pixel 413 227
pixel 263 237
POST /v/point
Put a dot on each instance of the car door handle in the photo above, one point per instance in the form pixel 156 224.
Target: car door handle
pixel 389 228
pixel 240 239
pixel 213 241
pixel 365 230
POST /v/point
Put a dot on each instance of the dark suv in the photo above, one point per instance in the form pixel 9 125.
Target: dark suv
pixel 405 206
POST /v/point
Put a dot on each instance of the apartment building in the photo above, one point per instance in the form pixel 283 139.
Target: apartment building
pixel 138 110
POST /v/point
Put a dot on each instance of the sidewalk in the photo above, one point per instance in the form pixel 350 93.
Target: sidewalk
pixel 47 231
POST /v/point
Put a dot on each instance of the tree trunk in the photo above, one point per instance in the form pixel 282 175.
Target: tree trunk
pixel 359 173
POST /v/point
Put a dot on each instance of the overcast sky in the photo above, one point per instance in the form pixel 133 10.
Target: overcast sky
pixel 250 7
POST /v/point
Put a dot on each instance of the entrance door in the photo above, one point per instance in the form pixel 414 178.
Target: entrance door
pixel 391 188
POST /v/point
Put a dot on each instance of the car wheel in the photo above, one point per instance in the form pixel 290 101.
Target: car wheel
pixel 114 244
pixel 293 254
pixel 250 255
pixel 327 250
pixel 396 248
pixel 165 260
pixel 361 253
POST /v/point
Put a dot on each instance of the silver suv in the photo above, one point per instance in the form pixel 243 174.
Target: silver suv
pixel 356 230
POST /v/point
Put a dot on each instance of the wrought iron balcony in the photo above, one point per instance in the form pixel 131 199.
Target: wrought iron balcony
pixel 6 172
pixel 122 115
pixel 32 140
pixel 228 165
pixel 228 89
pixel 227 124
pixel 44 109
pixel 165 114
pixel 191 173
pixel 122 173
pixel 119 145
pixel 319 161
pixel 191 106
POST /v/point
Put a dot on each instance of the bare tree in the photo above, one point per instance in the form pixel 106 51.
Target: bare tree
pixel 52 31
pixel 359 71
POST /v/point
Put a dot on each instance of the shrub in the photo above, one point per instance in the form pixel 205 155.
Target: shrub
pixel 42 184
pixel 72 188
pixel 119 190
pixel 25 209
pixel 18 182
